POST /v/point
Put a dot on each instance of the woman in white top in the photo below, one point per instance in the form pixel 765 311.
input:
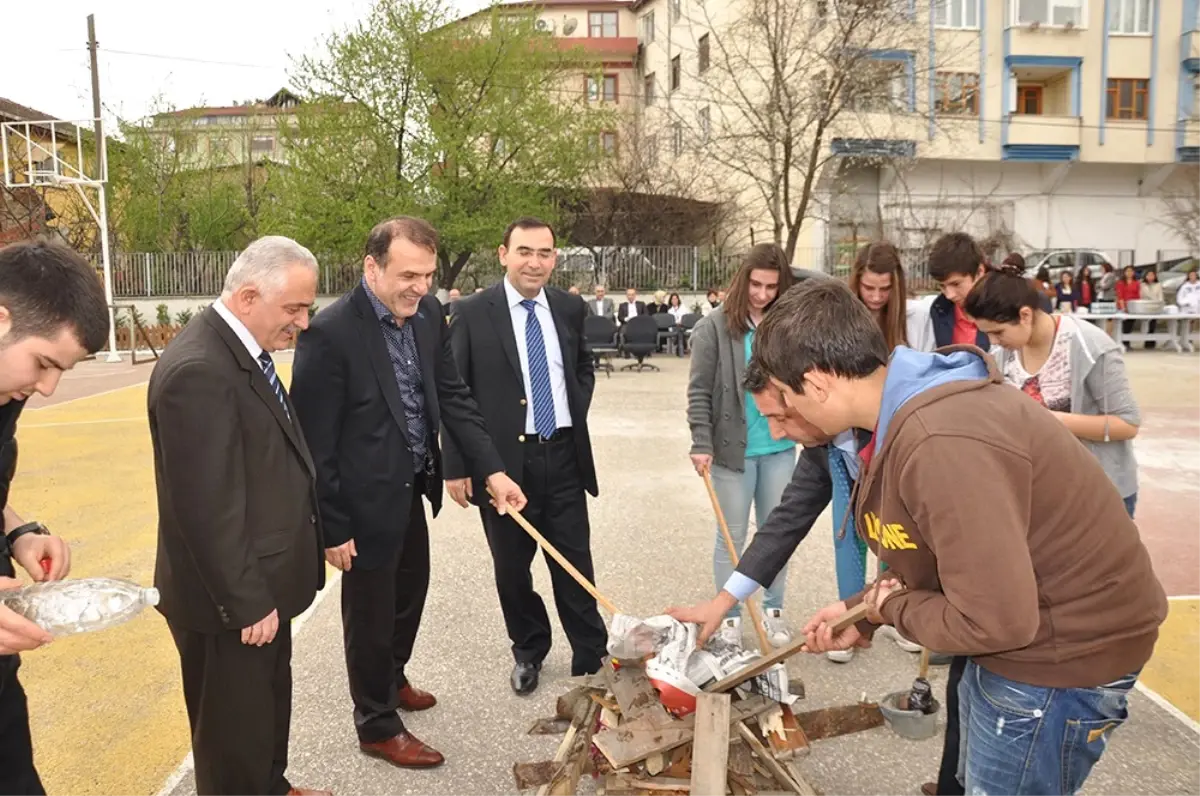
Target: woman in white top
pixel 676 310
pixel 1188 299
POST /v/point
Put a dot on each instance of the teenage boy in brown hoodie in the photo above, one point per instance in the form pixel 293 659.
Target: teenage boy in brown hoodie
pixel 1032 567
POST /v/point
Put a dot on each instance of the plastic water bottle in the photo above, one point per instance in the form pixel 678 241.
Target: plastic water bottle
pixel 64 607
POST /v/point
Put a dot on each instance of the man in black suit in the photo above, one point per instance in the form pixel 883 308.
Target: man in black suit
pixel 52 314
pixel 374 378
pixel 239 539
pixel 520 347
pixel 631 307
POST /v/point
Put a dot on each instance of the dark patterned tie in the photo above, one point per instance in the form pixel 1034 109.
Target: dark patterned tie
pixel 268 369
pixel 539 374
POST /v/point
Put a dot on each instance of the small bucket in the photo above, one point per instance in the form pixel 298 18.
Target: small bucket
pixel 911 724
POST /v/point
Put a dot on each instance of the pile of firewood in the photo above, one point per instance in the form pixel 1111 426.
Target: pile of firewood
pixel 617 731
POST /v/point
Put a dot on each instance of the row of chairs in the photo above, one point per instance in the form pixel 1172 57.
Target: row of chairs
pixel 640 337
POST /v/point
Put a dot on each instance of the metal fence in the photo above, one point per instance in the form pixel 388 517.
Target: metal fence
pixel 689 268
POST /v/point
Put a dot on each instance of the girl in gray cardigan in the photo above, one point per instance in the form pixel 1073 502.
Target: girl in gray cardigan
pixel 1072 367
pixel 731 441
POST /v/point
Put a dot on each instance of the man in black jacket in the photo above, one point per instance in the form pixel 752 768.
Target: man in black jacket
pixel 373 380
pixel 520 346
pixel 52 314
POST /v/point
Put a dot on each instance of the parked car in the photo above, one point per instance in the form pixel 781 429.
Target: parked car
pixel 1173 276
pixel 1059 260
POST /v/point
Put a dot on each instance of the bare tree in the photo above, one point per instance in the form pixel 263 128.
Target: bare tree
pixel 1182 216
pixel 782 79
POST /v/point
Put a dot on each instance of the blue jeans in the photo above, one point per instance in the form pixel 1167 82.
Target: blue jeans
pixel 762 482
pixel 1027 739
pixel 1131 504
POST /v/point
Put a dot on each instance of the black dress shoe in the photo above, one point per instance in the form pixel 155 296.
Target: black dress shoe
pixel 524 678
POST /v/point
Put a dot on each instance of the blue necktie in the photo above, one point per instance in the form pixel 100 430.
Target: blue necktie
pixel 539 374
pixel 268 369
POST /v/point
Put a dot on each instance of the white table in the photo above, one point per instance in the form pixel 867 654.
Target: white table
pixel 1176 331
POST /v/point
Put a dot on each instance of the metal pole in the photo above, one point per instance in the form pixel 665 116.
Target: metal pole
pixel 101 174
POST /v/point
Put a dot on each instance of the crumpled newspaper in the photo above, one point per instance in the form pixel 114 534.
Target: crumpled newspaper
pixel 673 644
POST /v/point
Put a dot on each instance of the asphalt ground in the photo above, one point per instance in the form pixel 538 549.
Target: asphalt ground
pixel 107 712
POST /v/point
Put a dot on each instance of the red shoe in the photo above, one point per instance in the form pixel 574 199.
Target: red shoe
pixel 415 699
pixel 405 751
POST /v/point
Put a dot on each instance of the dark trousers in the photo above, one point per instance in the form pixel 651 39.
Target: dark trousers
pixel 381 612
pixel 239 706
pixel 17 774
pixel 948 784
pixel 558 508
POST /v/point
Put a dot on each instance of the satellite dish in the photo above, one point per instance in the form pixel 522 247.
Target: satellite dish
pixel 569 25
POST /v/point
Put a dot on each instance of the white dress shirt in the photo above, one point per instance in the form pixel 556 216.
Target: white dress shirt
pixel 600 307
pixel 631 309
pixel 240 330
pixel 554 357
pixel 677 313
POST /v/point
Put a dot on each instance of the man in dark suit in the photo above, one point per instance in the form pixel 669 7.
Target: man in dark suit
pixel 239 539
pixel 374 378
pixel 52 314
pixel 520 347
pixel 630 308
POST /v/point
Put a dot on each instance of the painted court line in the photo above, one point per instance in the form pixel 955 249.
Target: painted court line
pixel 188 763
pixel 1165 704
pixel 83 397
pixel 84 422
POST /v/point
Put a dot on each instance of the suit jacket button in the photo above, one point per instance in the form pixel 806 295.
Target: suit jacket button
pixel 407 485
pixel 522 402
pixel 520 438
pixel 312 518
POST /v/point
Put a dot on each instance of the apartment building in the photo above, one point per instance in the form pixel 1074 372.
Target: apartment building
pixel 1055 123
pixel 232 134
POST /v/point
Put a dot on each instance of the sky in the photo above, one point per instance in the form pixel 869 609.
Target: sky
pixel 239 49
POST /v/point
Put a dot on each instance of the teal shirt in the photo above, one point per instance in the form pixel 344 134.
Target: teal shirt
pixel 758 432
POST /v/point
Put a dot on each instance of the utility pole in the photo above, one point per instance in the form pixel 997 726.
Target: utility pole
pixel 101 176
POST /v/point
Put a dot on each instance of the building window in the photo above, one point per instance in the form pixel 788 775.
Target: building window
pixel 705 123
pixel 884 87
pixel 958 92
pixel 675 71
pixel 602 24
pixel 649 89
pixel 602 89
pixel 677 139
pixel 956 14
pixel 702 50
pixel 648 28
pixel 1130 16
pixel 1127 98
pixel 264 143
pixel 1029 99
pixel 676 10
pixel 608 142
pixel 1055 13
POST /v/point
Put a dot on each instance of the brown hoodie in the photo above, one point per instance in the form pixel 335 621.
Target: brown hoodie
pixel 1012 543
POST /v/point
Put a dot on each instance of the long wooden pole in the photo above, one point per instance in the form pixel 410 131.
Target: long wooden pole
pixel 751 603
pixel 561 559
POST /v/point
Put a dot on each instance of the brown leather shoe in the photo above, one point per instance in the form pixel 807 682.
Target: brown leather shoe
pixel 929 789
pixel 404 750
pixel 308 792
pixel 415 699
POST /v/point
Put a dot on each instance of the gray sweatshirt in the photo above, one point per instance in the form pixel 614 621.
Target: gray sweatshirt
pixel 1099 386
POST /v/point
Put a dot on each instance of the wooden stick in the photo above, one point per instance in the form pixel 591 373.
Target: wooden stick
pixel 759 666
pixel 924 663
pixel 751 604
pixel 557 556
pixel 773 765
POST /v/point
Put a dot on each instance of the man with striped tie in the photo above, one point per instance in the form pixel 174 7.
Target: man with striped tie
pixel 374 385
pixel 239 537
pixel 520 347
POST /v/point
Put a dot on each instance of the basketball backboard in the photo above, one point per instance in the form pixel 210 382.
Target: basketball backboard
pixel 51 152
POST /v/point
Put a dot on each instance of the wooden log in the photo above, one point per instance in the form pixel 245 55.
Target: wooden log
pixel 635 695
pixel 710 759
pixel 841 720
pixel 627 783
pixel 633 742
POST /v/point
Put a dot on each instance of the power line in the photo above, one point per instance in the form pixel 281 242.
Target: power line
pixel 187 59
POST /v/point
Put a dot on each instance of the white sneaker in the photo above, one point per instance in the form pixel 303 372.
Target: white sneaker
pixel 731 631
pixel 901 641
pixel 777 629
pixel 840 656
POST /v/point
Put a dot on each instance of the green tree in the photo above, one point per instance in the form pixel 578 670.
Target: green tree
pixel 466 123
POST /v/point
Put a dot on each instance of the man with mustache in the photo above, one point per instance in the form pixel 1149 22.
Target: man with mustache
pixel 239 539
pixel 52 315
pixel 374 383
